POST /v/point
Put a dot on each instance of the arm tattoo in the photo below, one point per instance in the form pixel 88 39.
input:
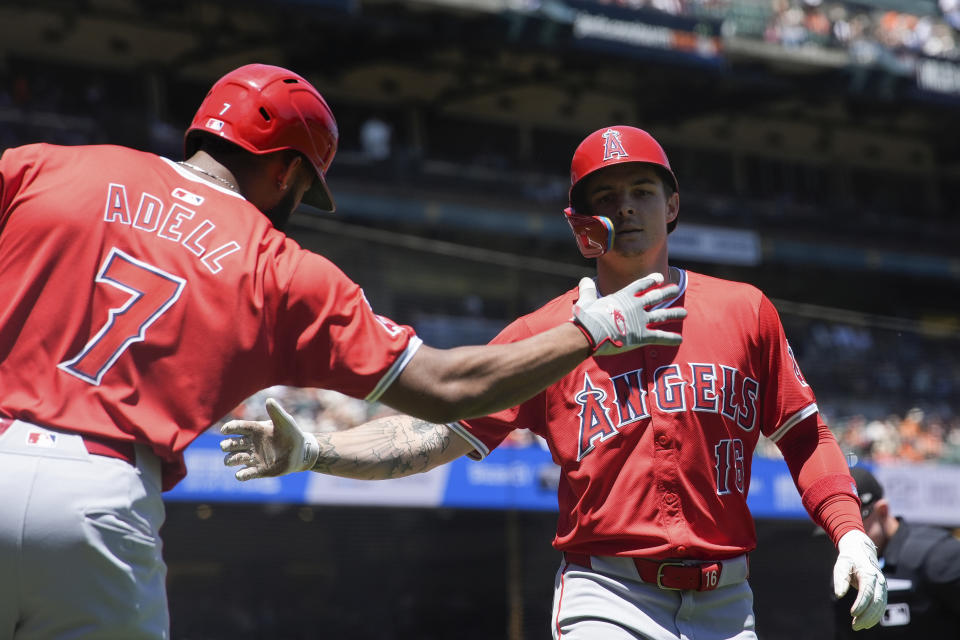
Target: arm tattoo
pixel 390 447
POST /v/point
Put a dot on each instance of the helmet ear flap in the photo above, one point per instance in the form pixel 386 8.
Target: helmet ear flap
pixel 594 234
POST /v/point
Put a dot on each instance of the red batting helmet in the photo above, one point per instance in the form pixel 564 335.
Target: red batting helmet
pixel 602 148
pixel 263 108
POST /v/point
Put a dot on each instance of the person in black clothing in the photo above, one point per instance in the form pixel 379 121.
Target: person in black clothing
pixel 922 567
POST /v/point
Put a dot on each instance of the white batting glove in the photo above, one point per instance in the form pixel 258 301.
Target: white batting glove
pixel 620 321
pixel 273 447
pixel 857 563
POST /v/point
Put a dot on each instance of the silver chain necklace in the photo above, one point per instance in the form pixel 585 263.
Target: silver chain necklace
pixel 229 184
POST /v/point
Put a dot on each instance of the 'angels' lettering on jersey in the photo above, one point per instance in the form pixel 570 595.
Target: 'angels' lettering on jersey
pixel 595 423
pixel 170 221
pixel 675 388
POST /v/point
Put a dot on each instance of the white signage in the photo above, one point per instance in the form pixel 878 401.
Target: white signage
pixel 928 493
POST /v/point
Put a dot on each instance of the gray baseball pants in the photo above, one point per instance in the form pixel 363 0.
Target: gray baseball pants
pixel 80 552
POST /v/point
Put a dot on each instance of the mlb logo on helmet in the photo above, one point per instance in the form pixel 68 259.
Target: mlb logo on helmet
pixel 41 439
pixel 214 124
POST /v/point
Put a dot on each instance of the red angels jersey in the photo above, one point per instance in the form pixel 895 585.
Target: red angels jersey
pixel 655 444
pixel 140 302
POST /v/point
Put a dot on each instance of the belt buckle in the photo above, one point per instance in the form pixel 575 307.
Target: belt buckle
pixel 660 575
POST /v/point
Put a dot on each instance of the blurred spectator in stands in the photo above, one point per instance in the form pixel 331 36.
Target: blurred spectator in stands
pixel 787 25
pixel 951 12
pixel 952 450
pixel 909 432
pixel 942 42
pixel 852 435
pixel 668 6
pixel 316 410
pixel 338 411
pixel 874 35
pixel 375 137
pixel 913 438
pixel 520 438
pixel 840 24
pixel 816 22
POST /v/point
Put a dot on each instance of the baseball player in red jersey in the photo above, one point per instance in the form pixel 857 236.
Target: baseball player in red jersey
pixel 141 299
pixel 654 445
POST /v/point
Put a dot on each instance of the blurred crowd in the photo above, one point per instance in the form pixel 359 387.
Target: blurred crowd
pixel 837 24
pixel 888 395
pixel 910 438
pixel 826 23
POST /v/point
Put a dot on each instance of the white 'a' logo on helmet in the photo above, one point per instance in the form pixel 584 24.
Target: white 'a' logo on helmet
pixel 612 147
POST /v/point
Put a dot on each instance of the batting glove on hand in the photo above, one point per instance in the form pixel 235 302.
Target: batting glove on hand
pixel 620 321
pixel 857 563
pixel 273 447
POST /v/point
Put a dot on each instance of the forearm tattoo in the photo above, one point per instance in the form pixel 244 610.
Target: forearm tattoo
pixel 390 447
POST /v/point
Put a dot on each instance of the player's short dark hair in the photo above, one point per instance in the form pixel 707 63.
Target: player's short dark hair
pixel 668 190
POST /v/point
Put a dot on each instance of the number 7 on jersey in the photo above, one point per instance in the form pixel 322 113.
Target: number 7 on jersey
pixel 152 292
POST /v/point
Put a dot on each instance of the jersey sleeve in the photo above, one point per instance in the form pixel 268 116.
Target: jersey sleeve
pixel 787 398
pixel 486 433
pixel 332 336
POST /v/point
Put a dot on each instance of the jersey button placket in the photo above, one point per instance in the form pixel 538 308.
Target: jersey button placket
pixel 671 504
pixel 650 359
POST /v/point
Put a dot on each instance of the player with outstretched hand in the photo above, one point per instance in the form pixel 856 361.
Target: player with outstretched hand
pixel 654 445
pixel 141 299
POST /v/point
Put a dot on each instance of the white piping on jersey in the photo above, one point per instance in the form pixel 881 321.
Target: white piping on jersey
pixel 189 175
pixel 682 284
pixel 806 412
pixel 478 447
pixel 394 371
